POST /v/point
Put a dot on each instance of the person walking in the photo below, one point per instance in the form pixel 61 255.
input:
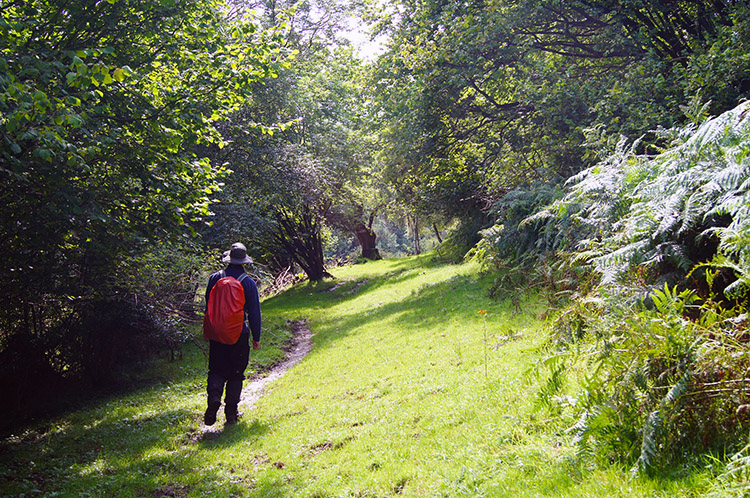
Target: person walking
pixel 228 354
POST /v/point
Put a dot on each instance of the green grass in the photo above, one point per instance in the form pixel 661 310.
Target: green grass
pixel 393 400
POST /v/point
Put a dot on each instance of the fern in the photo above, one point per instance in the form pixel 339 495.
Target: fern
pixel 648 210
pixel 696 110
pixel 738 469
pixel 649 445
pixel 554 384
pixel 678 390
pixel 592 422
pixel 663 377
pixel 643 370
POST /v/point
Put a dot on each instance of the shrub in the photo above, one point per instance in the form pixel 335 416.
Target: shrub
pixel 518 238
pixel 57 345
pixel 665 377
pixel 672 211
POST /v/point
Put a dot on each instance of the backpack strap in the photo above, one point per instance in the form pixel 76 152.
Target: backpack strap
pixel 240 279
pixel 223 274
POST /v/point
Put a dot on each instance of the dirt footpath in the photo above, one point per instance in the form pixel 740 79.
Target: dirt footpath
pixel 301 345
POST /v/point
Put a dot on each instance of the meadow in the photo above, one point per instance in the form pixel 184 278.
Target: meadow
pixel 418 384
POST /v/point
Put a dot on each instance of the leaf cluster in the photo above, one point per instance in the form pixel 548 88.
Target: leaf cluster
pixel 661 379
pixel 661 369
pixel 105 110
pixel 314 174
pixel 478 99
pixel 667 212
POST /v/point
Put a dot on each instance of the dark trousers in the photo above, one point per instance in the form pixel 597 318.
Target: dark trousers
pixel 229 361
pixel 227 364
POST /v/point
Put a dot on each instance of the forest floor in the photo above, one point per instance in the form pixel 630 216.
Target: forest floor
pixel 396 378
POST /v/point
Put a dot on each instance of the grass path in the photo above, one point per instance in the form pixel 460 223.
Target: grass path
pixel 408 391
pixel 254 387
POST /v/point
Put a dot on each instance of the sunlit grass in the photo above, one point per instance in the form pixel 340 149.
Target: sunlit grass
pixel 393 400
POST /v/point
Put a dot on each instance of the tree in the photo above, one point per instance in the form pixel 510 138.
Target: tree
pixel 480 98
pixel 308 173
pixel 104 108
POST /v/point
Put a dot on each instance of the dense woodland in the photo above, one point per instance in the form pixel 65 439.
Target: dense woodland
pixel 595 152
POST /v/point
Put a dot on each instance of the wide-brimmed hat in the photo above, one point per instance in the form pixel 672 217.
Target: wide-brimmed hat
pixel 237 255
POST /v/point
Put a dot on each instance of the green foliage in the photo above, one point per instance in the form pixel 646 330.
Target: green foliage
pixel 56 349
pixel 475 100
pixel 100 118
pixel 104 110
pixel 670 211
pixel 517 236
pixel 662 379
pixel 315 174
pixel 733 481
pixel 720 71
pixel 528 251
pixel 653 375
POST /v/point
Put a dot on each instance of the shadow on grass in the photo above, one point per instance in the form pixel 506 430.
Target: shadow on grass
pixel 140 455
pixel 315 294
pixel 69 452
pixel 459 297
pixel 230 435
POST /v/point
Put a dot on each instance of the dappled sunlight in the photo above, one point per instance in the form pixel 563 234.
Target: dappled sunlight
pixel 579 173
pixel 417 384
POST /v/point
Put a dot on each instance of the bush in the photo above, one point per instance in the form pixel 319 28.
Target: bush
pixel 517 237
pixel 669 212
pixel 58 345
pixel 462 236
pixel 665 377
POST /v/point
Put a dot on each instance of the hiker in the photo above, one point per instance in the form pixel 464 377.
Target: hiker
pixel 235 304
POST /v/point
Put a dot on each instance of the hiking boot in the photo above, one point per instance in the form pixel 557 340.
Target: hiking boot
pixel 209 418
pixel 231 413
pixel 232 399
pixel 214 388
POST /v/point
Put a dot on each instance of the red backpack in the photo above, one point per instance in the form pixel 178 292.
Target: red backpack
pixel 225 313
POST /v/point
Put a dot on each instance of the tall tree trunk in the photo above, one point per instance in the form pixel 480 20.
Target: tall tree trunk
pixel 366 237
pixel 414 225
pixel 437 233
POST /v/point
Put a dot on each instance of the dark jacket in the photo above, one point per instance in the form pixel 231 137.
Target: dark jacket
pixel 252 301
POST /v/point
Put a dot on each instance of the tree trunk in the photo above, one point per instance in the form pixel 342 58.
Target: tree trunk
pixel 437 233
pixel 299 234
pixel 366 237
pixel 414 222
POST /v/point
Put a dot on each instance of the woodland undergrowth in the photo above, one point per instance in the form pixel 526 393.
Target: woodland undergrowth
pixel 643 259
